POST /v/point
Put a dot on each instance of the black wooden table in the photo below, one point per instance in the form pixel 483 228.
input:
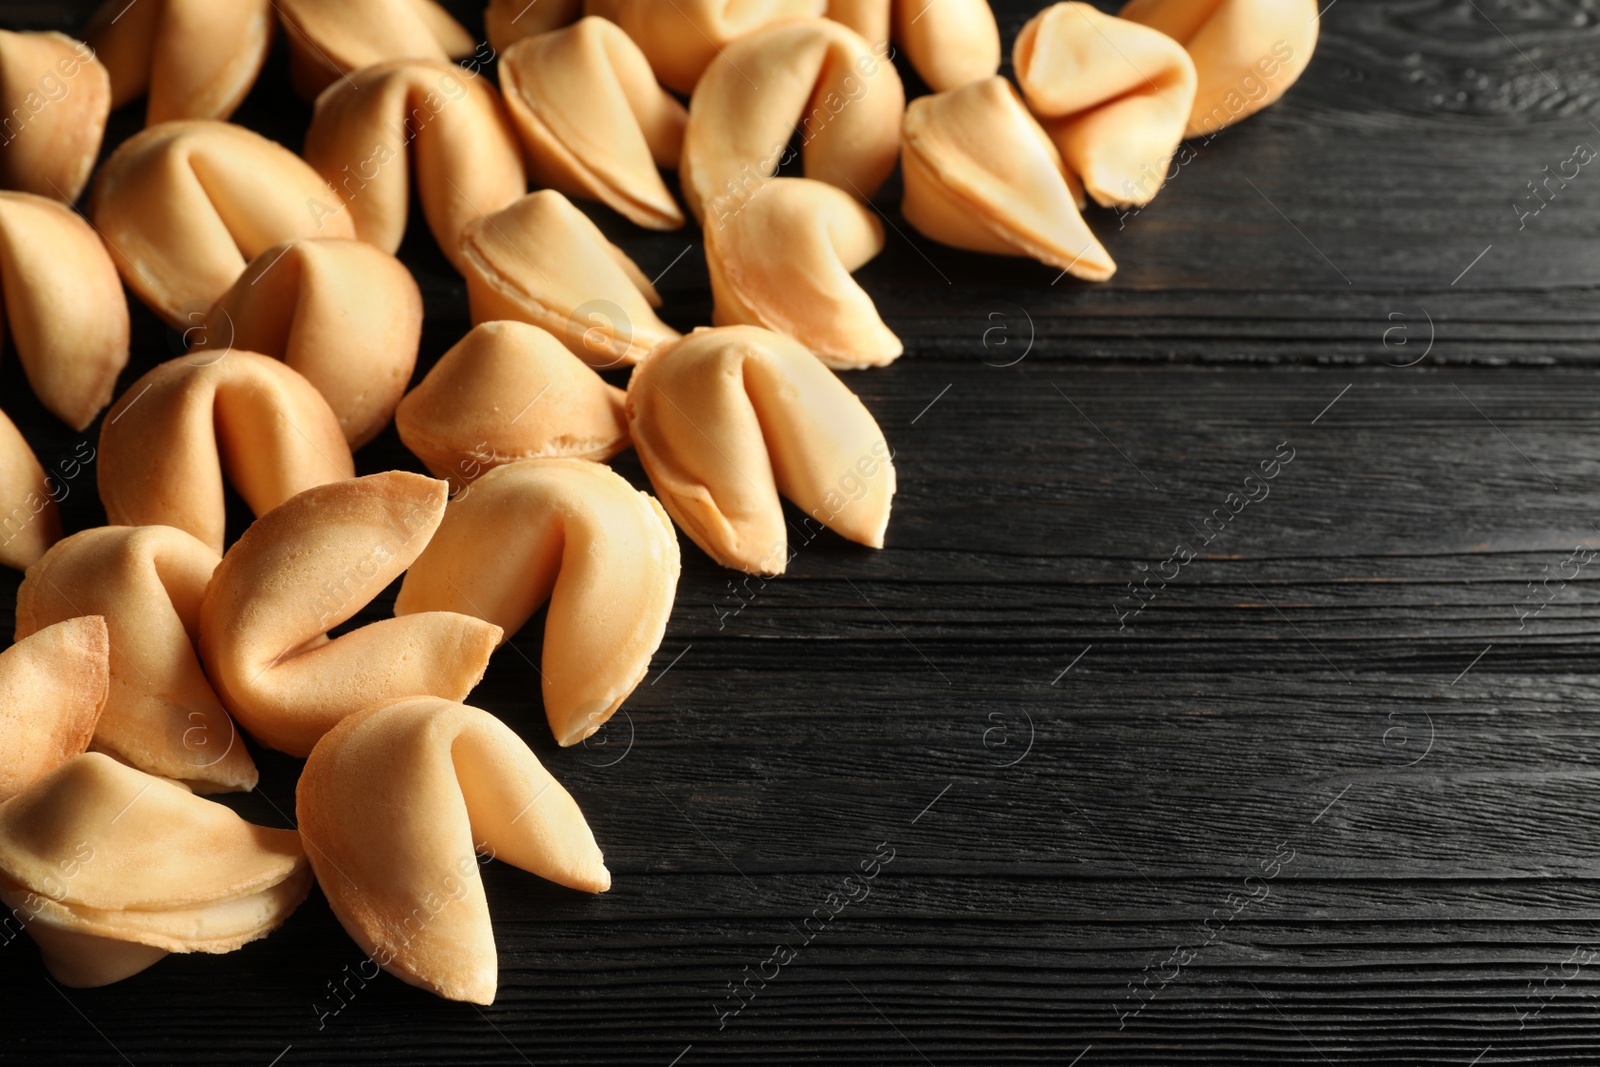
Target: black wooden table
pixel 1327 796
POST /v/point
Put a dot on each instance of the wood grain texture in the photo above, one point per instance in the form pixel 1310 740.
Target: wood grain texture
pixel 1341 712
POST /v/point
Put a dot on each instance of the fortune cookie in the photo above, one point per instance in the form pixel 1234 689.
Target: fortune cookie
pixel 981 174
pixel 682 37
pixel 55 97
pixel 344 313
pixel 161 714
pixel 1246 52
pixel 593 121
pixel 30 521
pixel 542 261
pixel 814 79
pixel 394 803
pixel 65 307
pixel 186 204
pixel 166 445
pixel 509 391
pixel 729 417
pixel 373 127
pixel 109 869
pixel 1113 95
pixel 52 687
pixel 505 22
pixel 574 533
pixel 783 262
pixel 329 39
pixel 191 59
pixel 949 42
pixel 302 569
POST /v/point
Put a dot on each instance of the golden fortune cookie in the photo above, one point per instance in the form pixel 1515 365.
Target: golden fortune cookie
pixel 55 97
pixel 109 869
pixel 66 312
pixel 30 519
pixel 394 804
pixel 329 39
pixel 166 445
pixel 378 130
pixel 784 261
pixel 593 121
pixel 681 38
pixel 345 314
pixel 813 78
pixel 161 715
pixel 1247 53
pixel 574 534
pixel 981 174
pixel 190 59
pixel 949 42
pixel 186 205
pixel 304 568
pixel 52 687
pixel 543 262
pixel 730 417
pixel 1113 95
pixel 508 391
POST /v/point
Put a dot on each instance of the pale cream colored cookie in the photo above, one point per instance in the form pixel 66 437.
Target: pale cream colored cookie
pixel 509 391
pixel 307 566
pixel 730 417
pixel 396 802
pixel 52 689
pixel 161 715
pixel 110 869
pixel 166 445
pixel 593 121
pixel 344 313
pixel 576 535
